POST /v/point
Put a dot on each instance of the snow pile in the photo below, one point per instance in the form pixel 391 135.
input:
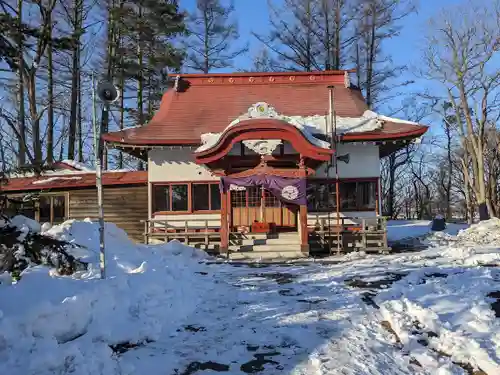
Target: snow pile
pixel 25 224
pixel 22 246
pixel 484 233
pixel 51 324
pixel 310 126
pixel 435 316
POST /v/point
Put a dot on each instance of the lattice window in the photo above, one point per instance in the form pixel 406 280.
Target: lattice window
pixel 271 200
pixel 254 196
pixel 239 198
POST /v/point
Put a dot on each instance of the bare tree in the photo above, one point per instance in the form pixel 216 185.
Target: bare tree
pixel 461 46
pixel 293 36
pixel 212 33
pixel 378 22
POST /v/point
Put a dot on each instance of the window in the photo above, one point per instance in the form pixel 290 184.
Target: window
pixel 354 196
pixel 348 194
pixel 206 197
pixel 186 197
pixel 201 198
pixel 214 197
pixel 254 196
pixel 58 209
pixel 49 208
pixel 358 196
pixel 161 196
pixel 44 206
pixel 367 194
pixel 179 198
pixel 170 198
pixel 238 198
pixel 321 196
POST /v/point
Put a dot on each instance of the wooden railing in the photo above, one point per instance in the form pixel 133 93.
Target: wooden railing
pixel 181 229
pixel 366 233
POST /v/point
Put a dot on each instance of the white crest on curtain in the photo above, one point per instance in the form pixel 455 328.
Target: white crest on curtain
pixel 262 146
pixel 234 187
pixel 290 192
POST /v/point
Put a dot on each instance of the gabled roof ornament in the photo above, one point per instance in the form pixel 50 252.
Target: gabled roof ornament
pixel 262 109
pixel 347 80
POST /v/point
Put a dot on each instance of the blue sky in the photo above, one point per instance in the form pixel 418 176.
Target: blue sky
pixel 253 15
pixel 405 49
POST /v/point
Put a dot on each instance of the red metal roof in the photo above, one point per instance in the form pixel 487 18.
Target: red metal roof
pixel 208 103
pixel 73 181
pixel 211 102
pixel 389 131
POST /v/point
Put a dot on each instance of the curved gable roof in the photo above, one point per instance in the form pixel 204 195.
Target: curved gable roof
pixel 262 129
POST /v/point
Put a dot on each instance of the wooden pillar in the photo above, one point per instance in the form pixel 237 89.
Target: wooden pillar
pixel 304 234
pixel 229 215
pixel 224 225
pixel 378 202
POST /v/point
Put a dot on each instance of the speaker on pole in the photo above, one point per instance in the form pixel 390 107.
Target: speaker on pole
pixel 108 92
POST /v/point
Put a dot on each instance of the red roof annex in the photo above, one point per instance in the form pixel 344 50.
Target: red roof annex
pixel 73 181
pixel 208 103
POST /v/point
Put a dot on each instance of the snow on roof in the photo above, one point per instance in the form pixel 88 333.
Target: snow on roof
pixel 310 126
pixel 55 178
pixel 77 165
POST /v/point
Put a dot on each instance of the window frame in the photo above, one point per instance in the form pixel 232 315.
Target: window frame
pixel 190 206
pixel 359 207
pixel 36 203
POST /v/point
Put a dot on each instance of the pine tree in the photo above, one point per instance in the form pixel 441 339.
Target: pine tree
pixel 23 47
pixel 211 34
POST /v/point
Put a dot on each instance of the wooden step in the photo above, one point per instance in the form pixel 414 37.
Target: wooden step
pixel 266 248
pixel 268 255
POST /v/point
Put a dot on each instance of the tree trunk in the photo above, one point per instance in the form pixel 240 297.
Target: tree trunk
pixel 35 119
pixel 122 109
pixel 79 123
pixel 21 157
pixel 75 74
pixel 371 60
pixel 50 89
pixel 111 54
pixel 450 172
pixel 338 20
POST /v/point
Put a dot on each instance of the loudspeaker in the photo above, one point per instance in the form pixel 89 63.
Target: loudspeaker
pixel 108 92
pixel 345 158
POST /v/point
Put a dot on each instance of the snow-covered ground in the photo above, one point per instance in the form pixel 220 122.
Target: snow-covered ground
pixel 400 229
pixel 168 309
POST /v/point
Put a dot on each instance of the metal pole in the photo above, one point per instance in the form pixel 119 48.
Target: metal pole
pixel 98 175
pixel 337 190
pixel 333 144
pixel 330 164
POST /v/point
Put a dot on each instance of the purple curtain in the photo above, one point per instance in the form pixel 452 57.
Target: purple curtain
pixel 288 190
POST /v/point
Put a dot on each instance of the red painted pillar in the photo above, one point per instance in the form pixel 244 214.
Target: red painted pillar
pixel 304 235
pixel 224 225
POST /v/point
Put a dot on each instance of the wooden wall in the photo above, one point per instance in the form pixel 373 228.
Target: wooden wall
pixel 124 206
